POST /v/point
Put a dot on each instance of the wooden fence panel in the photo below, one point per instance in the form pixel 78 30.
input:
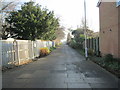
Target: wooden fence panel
pixel 93 44
pixel 20 51
pixel 8 53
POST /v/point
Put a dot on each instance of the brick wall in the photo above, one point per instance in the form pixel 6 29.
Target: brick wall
pixel 119 32
pixel 109 29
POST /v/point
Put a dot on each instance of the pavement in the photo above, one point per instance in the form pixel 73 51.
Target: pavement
pixel 63 68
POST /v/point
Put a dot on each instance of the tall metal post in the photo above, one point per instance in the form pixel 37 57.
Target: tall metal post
pixel 85 31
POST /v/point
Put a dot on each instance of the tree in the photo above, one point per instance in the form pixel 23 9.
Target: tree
pixel 32 22
pixel 68 38
pixel 79 36
pixel 60 33
pixel 5 8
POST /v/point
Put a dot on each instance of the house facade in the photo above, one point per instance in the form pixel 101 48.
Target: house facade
pixel 109 16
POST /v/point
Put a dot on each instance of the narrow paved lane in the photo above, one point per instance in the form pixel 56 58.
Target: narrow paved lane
pixel 63 68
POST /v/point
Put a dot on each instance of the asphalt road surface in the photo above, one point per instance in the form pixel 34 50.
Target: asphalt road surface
pixel 63 68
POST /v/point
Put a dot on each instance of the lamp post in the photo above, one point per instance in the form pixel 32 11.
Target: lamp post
pixel 85 31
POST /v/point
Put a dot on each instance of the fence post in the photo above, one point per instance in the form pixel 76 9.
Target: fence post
pixel 0 54
pixel 87 43
pixel 92 43
pixel 18 53
pixel 32 50
pixel 14 51
pixel 97 46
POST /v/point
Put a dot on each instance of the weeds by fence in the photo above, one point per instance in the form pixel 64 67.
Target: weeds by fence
pixel 16 52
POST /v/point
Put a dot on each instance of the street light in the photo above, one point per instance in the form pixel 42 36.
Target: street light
pixel 85 31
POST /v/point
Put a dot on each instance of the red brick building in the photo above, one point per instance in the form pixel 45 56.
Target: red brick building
pixel 109 16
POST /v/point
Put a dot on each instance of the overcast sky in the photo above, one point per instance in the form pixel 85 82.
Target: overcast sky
pixel 72 11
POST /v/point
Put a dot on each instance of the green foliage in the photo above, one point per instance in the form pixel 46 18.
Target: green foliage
pixel 108 57
pixel 73 44
pixel 52 48
pixel 81 51
pixel 91 52
pixel 33 22
pixel 79 36
pixel 115 66
pixel 78 39
pixel 58 43
pixel 109 63
pixel 76 43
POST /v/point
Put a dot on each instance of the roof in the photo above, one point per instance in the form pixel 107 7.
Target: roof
pixel 117 3
pixel 99 2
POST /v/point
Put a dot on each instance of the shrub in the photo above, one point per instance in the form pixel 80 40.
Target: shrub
pixel 44 51
pixel 90 52
pixel 98 54
pixel 73 44
pixel 60 43
pixel 57 44
pixel 108 57
pixel 52 48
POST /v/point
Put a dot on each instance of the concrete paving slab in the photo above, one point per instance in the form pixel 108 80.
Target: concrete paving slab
pixel 25 76
pixel 13 83
pixel 78 85
pixel 76 75
pixel 74 80
pixel 34 85
pixel 102 85
pixel 79 88
pixel 55 85
pixel 95 80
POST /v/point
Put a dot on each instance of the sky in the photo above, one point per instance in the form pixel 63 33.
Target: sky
pixel 71 12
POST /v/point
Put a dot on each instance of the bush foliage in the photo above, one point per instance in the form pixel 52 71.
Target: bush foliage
pixel 32 22
pixel 109 63
pixel 91 52
pixel 52 48
pixel 108 57
pixel 44 51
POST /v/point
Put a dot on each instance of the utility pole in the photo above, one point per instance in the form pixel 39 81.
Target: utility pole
pixel 85 31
